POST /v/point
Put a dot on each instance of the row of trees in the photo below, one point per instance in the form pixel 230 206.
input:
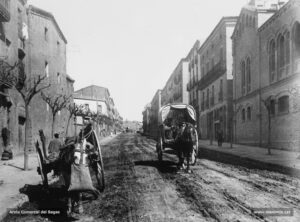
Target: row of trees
pixel 30 86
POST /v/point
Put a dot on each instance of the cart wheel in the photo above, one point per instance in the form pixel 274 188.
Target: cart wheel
pixel 99 168
pixel 100 177
pixel 195 149
pixel 41 167
pixel 159 148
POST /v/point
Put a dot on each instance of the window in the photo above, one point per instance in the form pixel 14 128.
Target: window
pixel 243 115
pixel 280 56
pixel 202 102
pixel 243 77
pixel 46 69
pixel 99 109
pixel 58 46
pixel 272 107
pixel 86 106
pixel 46 34
pixel 248 75
pixel 287 51
pixel 283 104
pixel 221 54
pixel 249 113
pixel 296 40
pixel 221 90
pixel 58 78
pixel 272 61
pixel 207 98
pixel 212 95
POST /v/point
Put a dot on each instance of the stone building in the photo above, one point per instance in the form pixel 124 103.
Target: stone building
pixel 12 50
pixel 194 76
pixel 266 74
pixel 47 56
pixel 146 119
pixel 97 99
pixel 215 81
pixel 155 106
pixel 23 40
pixel 175 88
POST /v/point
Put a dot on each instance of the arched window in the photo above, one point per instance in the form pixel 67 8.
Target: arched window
pixel 243 70
pixel 249 113
pixel 283 104
pixel 280 56
pixel 243 115
pixel 296 41
pixel 287 52
pixel 272 62
pixel 248 74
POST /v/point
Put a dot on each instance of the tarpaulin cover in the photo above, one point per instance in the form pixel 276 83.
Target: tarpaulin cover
pixel 180 112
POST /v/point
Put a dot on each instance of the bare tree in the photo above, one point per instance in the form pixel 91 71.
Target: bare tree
pixel 74 111
pixel 28 88
pixel 56 104
pixel 233 123
pixel 268 105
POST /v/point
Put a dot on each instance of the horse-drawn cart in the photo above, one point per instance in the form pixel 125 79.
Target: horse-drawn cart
pixel 174 120
pixel 62 164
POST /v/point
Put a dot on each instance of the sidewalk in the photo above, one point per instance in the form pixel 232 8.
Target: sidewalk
pixel 279 160
pixel 13 177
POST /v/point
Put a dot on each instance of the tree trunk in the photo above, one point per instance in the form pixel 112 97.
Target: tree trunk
pixel 68 123
pixel 28 137
pixel 52 127
pixel 269 132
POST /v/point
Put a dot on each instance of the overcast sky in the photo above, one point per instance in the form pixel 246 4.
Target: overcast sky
pixel 132 46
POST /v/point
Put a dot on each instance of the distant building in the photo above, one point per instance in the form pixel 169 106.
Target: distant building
pixel 215 83
pixel 266 69
pixel 175 88
pixel 97 99
pixel 194 76
pixel 155 106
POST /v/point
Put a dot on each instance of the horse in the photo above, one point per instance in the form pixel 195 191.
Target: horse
pixel 184 142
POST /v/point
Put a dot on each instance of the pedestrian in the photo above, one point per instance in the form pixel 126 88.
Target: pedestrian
pixel 220 137
pixel 53 149
pixel 7 153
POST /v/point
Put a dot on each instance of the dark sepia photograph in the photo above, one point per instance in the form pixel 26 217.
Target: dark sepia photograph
pixel 150 110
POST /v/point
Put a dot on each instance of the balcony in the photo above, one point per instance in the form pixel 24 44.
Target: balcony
pixel 218 70
pixel 4 10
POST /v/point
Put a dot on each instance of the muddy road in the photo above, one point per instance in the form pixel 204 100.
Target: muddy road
pixel 139 188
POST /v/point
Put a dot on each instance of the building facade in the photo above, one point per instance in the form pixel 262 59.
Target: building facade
pixel 97 99
pixel 194 76
pixel 146 119
pixel 266 75
pixel 155 106
pixel 22 29
pixel 175 88
pixel 47 56
pixel 215 82
pixel 12 50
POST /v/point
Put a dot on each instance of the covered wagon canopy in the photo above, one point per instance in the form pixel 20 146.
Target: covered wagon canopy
pixel 169 114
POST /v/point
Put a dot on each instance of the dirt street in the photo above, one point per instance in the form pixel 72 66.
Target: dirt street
pixel 139 188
